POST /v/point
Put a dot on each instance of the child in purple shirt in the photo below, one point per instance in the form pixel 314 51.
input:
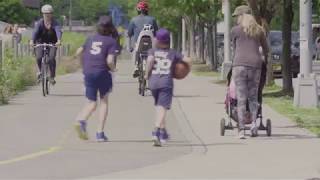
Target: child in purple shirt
pixel 98 61
pixel 160 63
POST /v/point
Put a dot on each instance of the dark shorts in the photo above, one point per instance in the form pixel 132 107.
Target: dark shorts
pixel 163 97
pixel 97 82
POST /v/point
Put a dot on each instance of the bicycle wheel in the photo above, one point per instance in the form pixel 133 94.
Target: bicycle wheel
pixel 43 78
pixel 143 84
pixel 47 80
pixel 140 78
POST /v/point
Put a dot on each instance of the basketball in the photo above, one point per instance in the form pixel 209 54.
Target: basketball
pixel 181 70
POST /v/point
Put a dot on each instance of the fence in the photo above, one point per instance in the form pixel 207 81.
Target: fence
pixel 22 50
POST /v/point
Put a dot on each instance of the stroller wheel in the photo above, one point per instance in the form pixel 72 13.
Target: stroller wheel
pixel 222 126
pixel 268 128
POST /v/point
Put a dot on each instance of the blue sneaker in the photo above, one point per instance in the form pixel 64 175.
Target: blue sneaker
pixel 156 137
pixel 101 137
pixel 81 129
pixel 163 136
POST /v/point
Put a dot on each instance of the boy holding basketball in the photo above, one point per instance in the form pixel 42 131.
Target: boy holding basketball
pixel 161 63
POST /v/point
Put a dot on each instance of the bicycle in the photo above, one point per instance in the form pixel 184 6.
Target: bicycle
pixel 45 70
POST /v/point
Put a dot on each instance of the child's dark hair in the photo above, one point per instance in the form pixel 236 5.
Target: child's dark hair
pixel 105 30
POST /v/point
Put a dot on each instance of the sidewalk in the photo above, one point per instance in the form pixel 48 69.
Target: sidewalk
pixel 44 145
pixel 290 152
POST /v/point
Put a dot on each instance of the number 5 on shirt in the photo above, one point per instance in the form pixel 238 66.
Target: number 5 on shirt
pixel 96 48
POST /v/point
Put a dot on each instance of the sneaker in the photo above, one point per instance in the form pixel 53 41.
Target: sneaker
pixel 163 136
pixel 254 132
pixel 156 137
pixel 241 134
pixel 38 77
pixel 52 81
pixel 136 74
pixel 101 137
pixel 81 129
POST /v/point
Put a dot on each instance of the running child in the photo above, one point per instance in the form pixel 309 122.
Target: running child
pixel 98 54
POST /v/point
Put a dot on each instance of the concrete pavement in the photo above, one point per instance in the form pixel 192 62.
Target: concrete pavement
pixel 38 142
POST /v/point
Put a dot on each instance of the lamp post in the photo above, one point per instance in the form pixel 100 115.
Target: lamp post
pixel 226 65
pixel 305 94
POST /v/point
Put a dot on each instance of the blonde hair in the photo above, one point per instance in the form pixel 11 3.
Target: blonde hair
pixel 250 26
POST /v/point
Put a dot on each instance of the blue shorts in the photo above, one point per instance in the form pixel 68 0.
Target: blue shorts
pixel 97 82
pixel 163 97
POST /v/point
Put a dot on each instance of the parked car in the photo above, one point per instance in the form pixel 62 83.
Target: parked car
pixel 276 43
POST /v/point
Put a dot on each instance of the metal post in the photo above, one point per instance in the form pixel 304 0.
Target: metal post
pixel 68 49
pixel 21 54
pixel 305 94
pixel 1 54
pixel 15 48
pixel 29 50
pixel 226 65
pixel 171 40
pixel 184 36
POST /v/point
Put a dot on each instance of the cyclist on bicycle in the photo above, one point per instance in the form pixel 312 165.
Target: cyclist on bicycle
pixel 136 26
pixel 48 31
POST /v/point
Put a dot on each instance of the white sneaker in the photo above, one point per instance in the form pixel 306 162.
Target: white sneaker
pixel 241 134
pixel 254 132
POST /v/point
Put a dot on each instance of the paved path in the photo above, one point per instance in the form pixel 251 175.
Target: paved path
pixel 37 139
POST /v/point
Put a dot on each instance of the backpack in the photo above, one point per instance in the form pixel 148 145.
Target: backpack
pixel 145 40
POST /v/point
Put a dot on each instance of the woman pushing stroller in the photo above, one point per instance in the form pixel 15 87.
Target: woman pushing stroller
pixel 247 36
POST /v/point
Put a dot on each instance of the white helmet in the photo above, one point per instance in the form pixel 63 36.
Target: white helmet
pixel 47 9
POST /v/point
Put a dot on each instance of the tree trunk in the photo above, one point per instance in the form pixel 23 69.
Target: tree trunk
pixel 178 38
pixel 214 48
pixel 286 50
pixel 191 38
pixel 210 47
pixel 255 10
pixel 202 45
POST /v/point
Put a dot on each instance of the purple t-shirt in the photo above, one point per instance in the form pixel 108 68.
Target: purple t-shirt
pixel 96 50
pixel 161 75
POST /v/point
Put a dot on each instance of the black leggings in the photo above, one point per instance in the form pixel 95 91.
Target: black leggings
pixel 52 59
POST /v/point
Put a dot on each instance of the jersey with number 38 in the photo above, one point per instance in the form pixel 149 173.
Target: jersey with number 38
pixel 96 50
pixel 161 74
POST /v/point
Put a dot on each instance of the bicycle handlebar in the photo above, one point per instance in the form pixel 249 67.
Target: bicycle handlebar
pixel 44 45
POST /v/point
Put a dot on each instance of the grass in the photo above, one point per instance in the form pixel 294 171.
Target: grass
pixel 305 118
pixel 69 64
pixel 15 76
pixel 74 39
pixel 203 70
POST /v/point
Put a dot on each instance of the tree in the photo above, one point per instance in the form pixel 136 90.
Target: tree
pixel 264 11
pixel 286 54
pixel 12 11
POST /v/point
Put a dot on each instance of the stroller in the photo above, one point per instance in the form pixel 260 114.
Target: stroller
pixel 231 107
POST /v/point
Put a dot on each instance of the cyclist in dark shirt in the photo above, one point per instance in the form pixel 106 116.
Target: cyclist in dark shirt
pixel 47 30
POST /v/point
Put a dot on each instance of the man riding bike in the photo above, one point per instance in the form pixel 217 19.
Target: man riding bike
pixel 47 31
pixel 136 26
